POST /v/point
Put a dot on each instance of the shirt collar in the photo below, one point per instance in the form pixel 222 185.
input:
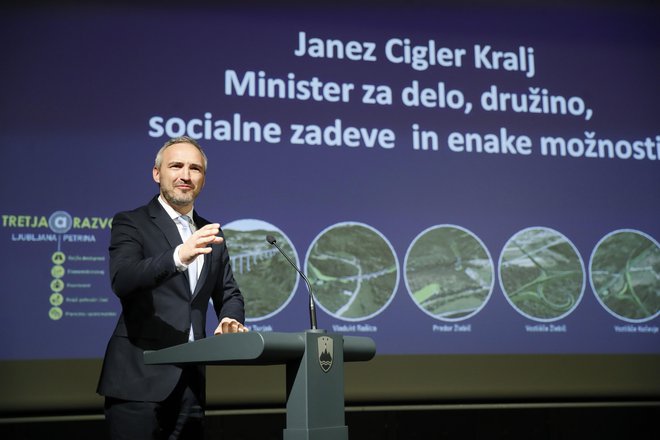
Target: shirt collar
pixel 170 211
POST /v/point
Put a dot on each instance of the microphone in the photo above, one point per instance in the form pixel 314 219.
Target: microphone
pixel 312 305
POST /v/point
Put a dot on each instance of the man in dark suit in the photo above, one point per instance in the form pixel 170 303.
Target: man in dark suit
pixel 165 269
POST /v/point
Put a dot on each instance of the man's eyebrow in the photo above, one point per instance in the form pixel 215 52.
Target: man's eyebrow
pixel 180 162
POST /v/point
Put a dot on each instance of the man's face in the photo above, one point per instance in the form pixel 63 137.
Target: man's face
pixel 181 175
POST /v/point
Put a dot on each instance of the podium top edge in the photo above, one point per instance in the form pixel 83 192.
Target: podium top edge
pixel 253 348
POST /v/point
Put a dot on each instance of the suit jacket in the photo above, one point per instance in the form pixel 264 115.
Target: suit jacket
pixel 157 304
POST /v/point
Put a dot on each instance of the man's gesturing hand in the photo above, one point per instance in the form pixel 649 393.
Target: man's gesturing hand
pixel 200 242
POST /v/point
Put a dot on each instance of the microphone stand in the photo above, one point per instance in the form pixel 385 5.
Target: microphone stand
pixel 312 303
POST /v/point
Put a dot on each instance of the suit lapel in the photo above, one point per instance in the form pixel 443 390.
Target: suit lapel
pixel 200 222
pixel 169 229
pixel 165 223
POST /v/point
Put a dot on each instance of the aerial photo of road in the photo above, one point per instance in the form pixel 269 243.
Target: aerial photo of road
pixel 353 270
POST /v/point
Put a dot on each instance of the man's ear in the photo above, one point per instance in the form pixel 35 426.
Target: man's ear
pixel 156 175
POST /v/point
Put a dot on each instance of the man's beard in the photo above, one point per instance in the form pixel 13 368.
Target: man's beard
pixel 175 200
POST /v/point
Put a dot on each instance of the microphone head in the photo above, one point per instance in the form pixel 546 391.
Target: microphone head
pixel 270 239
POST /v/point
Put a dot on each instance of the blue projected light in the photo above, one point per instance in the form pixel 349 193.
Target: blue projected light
pixel 452 181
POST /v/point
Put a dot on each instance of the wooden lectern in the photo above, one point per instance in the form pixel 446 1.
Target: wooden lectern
pixel 314 362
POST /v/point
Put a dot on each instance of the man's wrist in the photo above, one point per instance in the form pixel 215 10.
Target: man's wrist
pixel 180 266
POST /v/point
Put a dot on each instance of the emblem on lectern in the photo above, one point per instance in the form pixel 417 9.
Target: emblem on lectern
pixel 325 352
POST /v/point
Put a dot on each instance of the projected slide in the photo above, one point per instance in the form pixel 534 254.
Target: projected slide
pixel 451 181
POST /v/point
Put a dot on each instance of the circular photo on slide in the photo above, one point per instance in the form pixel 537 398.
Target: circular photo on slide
pixel 625 275
pixel 449 273
pixel 353 270
pixel 541 274
pixel 266 279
